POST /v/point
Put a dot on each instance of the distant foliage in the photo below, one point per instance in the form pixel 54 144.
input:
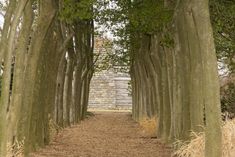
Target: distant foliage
pixel 228 99
pixel 73 9
pixel 125 18
pixel 103 51
pixel 149 16
pixel 223 21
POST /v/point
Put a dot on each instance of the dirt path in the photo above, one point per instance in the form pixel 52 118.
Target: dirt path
pixel 104 135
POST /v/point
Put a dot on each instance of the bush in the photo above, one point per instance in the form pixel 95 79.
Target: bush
pixel 228 99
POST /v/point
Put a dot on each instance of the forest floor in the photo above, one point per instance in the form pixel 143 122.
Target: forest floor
pixel 106 134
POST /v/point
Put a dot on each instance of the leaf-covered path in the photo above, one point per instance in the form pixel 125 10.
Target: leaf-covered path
pixel 104 135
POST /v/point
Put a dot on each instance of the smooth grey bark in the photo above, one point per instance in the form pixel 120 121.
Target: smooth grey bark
pixel 20 58
pixel 6 28
pixel 67 95
pixel 31 84
pixel 211 97
pixel 59 91
pixel 5 92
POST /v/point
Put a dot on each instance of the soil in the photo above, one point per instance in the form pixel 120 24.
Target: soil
pixel 106 134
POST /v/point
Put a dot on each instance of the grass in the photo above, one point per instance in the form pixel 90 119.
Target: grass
pixel 16 149
pixel 196 147
pixel 149 126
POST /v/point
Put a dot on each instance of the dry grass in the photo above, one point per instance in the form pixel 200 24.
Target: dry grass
pixel 149 127
pixel 196 147
pixel 53 128
pixel 16 149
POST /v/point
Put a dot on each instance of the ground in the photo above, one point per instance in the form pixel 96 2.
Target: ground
pixel 106 134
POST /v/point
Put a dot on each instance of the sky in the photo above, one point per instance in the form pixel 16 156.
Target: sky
pixel 1 17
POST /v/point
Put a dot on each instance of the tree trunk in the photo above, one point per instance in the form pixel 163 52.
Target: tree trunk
pixel 20 58
pixel 33 70
pixel 200 11
pixel 6 81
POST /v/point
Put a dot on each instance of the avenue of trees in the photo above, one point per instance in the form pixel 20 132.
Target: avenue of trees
pixel 47 66
pixel 46 53
pixel 174 74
